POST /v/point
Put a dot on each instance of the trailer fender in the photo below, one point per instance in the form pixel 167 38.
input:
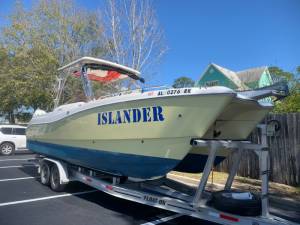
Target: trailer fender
pixel 62 168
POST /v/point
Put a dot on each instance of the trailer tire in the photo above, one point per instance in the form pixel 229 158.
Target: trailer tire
pixel 222 200
pixel 45 173
pixel 55 180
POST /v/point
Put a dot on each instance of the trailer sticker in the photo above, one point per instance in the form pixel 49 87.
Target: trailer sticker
pixel 155 200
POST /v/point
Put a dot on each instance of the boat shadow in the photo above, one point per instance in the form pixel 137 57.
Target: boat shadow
pixel 129 211
pixel 30 170
pixel 136 213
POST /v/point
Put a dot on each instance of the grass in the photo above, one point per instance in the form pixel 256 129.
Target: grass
pixel 244 183
pixel 218 177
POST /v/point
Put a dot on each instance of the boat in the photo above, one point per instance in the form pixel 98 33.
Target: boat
pixel 136 134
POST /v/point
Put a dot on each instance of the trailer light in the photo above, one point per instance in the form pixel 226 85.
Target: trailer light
pixel 109 187
pixel 226 217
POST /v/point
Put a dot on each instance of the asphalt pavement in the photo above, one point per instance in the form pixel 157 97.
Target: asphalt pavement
pixel 24 200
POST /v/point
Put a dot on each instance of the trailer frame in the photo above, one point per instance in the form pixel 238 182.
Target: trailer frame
pixel 170 195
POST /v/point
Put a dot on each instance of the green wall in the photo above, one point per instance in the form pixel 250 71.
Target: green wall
pixel 212 74
pixel 265 79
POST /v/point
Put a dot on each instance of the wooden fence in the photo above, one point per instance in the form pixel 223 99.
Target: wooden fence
pixel 284 148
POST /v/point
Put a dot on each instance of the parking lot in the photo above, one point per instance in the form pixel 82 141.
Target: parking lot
pixel 23 200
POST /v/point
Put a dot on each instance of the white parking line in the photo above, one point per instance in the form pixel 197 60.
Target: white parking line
pixel 45 198
pixel 7 167
pixel 3 160
pixel 162 220
pixel 19 178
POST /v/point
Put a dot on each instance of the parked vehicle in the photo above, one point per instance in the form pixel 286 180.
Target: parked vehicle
pixel 12 138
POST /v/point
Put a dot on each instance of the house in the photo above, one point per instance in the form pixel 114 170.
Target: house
pixel 256 77
pixel 249 79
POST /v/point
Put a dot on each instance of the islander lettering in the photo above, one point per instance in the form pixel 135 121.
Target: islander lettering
pixel 136 115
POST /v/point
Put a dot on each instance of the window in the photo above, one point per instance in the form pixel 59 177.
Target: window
pixel 212 83
pixel 6 130
pixel 19 131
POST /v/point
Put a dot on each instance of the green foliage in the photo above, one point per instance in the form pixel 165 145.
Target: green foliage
pixel 288 105
pixel 26 80
pixel 9 97
pixel 291 103
pixel 183 82
pixel 277 72
pixel 24 117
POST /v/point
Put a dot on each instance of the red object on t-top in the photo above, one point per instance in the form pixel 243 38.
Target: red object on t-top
pixel 102 76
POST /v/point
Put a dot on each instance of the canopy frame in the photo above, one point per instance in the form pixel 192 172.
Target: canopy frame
pixel 82 65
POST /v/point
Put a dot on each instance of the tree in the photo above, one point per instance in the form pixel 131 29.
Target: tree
pixel 8 95
pixel 36 43
pixel 68 31
pixel 26 81
pixel 133 35
pixel 288 105
pixel 291 103
pixel 278 74
pixel 183 82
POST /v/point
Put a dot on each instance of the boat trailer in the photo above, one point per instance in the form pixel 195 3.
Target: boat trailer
pixel 174 196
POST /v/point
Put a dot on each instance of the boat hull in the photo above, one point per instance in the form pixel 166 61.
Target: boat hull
pixel 120 164
pixel 236 122
pixel 194 162
pixel 144 148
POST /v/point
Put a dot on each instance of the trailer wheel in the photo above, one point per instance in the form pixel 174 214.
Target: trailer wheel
pixel 55 180
pixel 223 200
pixel 45 173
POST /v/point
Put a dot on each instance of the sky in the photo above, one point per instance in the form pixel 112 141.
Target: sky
pixel 236 34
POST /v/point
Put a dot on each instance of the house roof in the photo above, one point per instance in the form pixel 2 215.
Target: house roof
pixel 251 75
pixel 230 75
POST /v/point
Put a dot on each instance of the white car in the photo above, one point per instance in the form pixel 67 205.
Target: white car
pixel 12 137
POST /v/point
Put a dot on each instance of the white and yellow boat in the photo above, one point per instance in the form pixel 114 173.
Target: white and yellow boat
pixel 140 134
